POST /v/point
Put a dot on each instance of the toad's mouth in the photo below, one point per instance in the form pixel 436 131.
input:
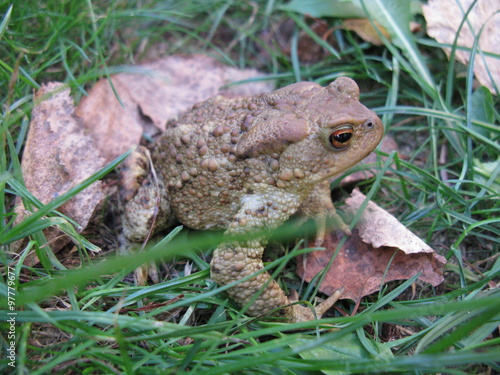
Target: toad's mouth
pixel 336 171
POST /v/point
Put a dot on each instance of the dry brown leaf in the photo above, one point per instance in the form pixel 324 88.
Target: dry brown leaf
pixel 484 16
pixel 159 92
pixel 364 28
pixel 379 228
pixel 380 250
pixel 57 156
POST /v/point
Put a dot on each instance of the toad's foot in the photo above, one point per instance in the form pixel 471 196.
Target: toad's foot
pixel 146 208
pixel 306 313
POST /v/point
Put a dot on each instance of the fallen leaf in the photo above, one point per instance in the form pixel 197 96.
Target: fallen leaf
pixel 379 228
pixel 158 92
pixel 366 31
pixel 394 16
pixel 57 156
pixel 484 18
pixel 364 28
pixel 380 250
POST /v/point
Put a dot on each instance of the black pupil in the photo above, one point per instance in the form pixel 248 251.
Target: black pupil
pixel 342 137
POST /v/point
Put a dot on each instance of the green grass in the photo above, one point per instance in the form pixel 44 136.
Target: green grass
pixel 69 321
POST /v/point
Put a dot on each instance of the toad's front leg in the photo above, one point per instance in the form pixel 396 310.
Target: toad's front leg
pixel 319 206
pixel 234 260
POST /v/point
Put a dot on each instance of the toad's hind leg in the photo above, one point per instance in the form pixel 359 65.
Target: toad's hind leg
pixel 236 260
pixel 145 207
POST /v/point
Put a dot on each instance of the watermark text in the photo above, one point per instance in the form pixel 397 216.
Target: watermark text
pixel 12 314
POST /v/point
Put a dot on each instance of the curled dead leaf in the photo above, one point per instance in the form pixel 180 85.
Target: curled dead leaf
pixel 58 155
pixel 379 228
pixel 483 22
pixel 380 250
pixel 364 28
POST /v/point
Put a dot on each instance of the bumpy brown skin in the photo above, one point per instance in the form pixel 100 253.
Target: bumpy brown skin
pixel 247 164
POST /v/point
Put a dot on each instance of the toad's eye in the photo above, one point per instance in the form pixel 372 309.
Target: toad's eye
pixel 341 137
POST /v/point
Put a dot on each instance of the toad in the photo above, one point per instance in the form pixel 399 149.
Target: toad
pixel 245 165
